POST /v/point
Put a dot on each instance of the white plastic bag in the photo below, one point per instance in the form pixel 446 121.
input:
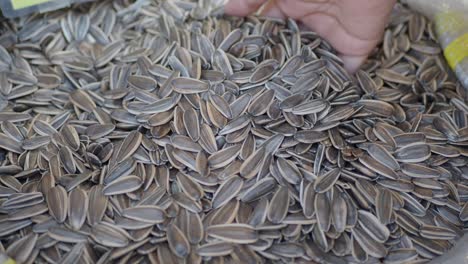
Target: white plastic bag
pixel 451 21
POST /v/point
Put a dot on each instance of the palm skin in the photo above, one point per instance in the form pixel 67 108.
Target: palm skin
pixel 352 27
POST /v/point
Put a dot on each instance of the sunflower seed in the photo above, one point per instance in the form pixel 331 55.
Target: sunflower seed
pixel 57 201
pixel 177 241
pixel 234 233
pixel 189 86
pixel 109 235
pixel 373 227
pixel 124 184
pixel 229 189
pixel 384 206
pixel 279 205
pixel 77 208
pixel 180 135
pixel 339 212
pixel 327 180
pixel 322 211
pixel 215 249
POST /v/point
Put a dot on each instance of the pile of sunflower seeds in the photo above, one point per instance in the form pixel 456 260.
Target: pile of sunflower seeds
pixel 160 132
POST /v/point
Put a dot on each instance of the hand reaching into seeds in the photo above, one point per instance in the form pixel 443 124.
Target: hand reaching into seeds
pixel 352 27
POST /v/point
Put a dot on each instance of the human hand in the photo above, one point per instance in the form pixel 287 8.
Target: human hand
pixel 352 27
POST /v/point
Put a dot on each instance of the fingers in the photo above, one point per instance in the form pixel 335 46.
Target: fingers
pixel 242 7
pixel 353 50
pixel 270 9
pixel 365 19
pixel 343 41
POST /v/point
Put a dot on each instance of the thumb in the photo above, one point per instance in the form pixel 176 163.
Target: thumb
pixel 242 7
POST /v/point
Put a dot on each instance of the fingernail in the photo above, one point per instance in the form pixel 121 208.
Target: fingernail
pixel 352 63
